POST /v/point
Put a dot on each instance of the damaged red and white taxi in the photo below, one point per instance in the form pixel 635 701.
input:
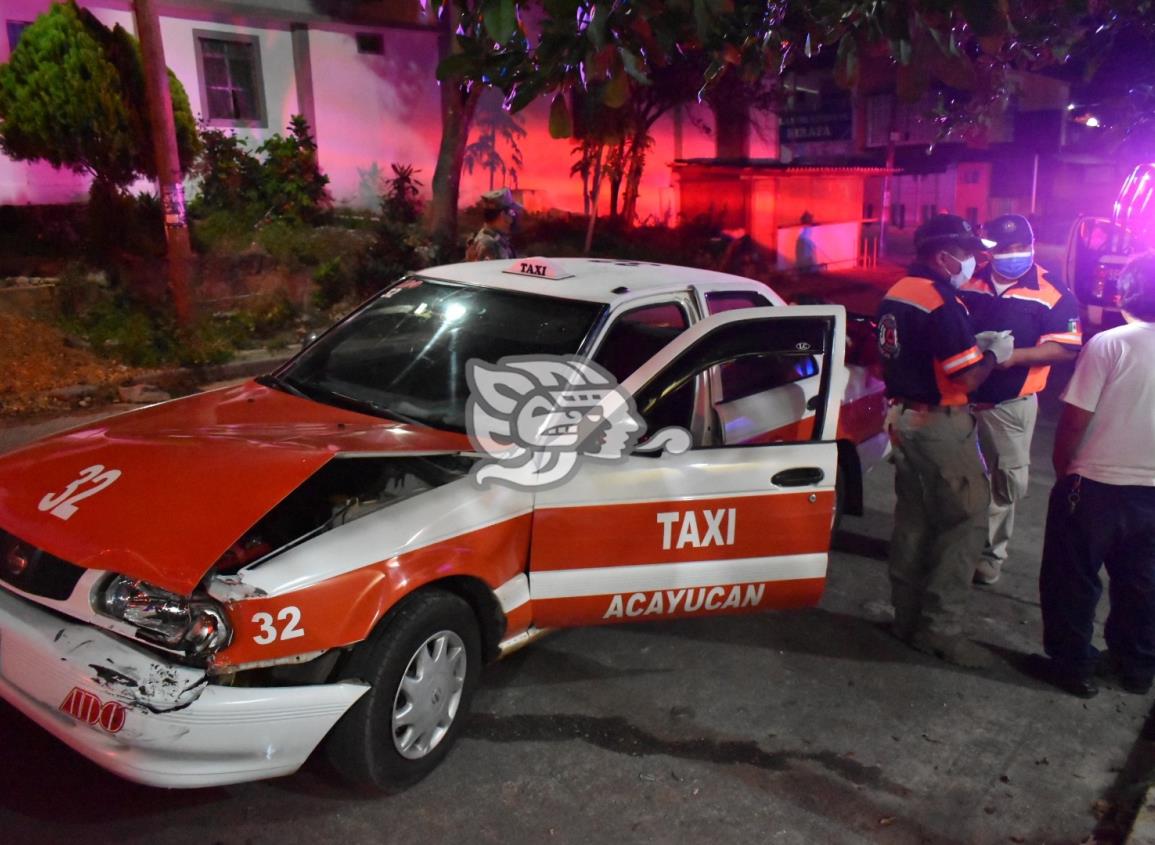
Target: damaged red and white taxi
pixel 208 590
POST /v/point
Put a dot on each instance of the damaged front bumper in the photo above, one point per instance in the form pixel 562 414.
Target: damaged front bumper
pixel 150 720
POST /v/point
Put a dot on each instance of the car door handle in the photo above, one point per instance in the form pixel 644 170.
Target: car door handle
pixel 797 477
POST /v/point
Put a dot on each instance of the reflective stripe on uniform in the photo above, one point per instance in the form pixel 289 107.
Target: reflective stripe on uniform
pixel 962 360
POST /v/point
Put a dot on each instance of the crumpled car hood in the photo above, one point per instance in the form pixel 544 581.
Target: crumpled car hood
pixel 161 493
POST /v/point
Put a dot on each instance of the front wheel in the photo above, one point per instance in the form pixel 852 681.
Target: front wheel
pixel 422 668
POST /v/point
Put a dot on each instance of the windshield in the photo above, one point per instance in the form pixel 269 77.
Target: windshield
pixel 404 354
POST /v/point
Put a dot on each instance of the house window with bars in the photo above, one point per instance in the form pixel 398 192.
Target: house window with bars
pixel 232 88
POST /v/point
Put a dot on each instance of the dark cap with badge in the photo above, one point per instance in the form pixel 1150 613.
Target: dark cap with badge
pixel 500 199
pixel 1009 229
pixel 949 230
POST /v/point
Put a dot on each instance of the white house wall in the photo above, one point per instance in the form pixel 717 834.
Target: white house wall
pixel 276 52
pixel 374 111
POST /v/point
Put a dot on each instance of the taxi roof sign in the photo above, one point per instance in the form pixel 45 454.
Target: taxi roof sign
pixel 542 268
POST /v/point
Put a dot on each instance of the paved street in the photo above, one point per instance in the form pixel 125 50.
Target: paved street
pixel 808 726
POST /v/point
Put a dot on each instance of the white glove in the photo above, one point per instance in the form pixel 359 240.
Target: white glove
pixel 1000 344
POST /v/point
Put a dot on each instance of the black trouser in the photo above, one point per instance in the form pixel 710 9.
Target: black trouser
pixel 1090 525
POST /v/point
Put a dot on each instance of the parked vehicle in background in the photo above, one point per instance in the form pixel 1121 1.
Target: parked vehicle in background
pixel 1098 248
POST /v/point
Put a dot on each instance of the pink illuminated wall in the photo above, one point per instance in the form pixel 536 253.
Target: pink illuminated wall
pixel 371 110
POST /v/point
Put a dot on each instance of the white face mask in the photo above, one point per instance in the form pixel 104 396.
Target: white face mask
pixel 965 271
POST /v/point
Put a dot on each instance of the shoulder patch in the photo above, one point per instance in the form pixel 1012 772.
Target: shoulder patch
pixel 920 293
pixel 888 343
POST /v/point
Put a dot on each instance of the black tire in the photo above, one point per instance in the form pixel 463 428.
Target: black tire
pixel 363 746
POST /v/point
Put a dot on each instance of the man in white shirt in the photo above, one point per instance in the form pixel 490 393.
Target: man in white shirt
pixel 1102 508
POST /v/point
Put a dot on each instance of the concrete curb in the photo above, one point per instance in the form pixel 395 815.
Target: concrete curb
pixel 251 362
pixel 248 363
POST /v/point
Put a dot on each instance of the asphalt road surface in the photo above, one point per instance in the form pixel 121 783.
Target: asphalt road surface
pixel 796 727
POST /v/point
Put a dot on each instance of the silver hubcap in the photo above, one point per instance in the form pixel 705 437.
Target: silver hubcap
pixel 429 694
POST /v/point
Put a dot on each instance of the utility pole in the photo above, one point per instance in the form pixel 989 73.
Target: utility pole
pixel 168 173
pixel 891 137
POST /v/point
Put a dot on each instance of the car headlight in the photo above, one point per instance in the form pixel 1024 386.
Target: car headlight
pixel 197 625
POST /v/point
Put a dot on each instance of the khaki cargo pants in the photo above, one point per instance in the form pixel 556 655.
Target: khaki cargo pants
pixel 940 519
pixel 1005 439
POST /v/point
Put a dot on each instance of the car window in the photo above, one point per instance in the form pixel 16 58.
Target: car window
pixel 747 376
pixel 404 354
pixel 719 301
pixel 639 334
pixel 758 373
pixel 782 361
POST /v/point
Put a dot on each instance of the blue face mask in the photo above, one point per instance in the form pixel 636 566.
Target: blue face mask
pixel 1012 265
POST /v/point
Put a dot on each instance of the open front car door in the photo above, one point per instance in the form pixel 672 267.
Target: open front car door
pixel 733 524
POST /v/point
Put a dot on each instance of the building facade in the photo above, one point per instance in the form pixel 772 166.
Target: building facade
pixel 363 74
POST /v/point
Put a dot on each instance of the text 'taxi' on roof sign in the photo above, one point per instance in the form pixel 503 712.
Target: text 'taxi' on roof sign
pixel 543 268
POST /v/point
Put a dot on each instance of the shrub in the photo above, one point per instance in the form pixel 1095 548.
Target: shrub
pixel 396 250
pixel 119 327
pixel 72 93
pixel 224 232
pixel 203 344
pixel 281 180
pixel 291 182
pixel 400 200
pixel 34 236
pixel 229 174
pixel 334 282
pixel 260 318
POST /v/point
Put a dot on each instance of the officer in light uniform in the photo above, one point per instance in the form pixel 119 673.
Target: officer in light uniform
pixel 1013 294
pixel 931 361
pixel 500 213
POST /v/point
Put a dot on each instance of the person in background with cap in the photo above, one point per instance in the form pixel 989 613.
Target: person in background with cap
pixel 1013 294
pixel 500 212
pixel 1102 507
pixel 931 362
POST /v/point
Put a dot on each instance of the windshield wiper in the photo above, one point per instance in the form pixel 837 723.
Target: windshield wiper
pixel 284 385
pixel 380 410
pixel 319 394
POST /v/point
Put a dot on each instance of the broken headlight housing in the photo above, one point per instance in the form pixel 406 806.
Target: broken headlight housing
pixel 198 625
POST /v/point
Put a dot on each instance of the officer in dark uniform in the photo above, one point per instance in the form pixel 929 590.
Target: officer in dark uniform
pixel 500 213
pixel 1014 294
pixel 931 363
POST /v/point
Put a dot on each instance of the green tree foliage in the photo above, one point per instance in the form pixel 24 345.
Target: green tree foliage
pixel 229 175
pixel 481 43
pixel 292 184
pixel 960 48
pixel 72 94
pixel 631 58
pixel 280 180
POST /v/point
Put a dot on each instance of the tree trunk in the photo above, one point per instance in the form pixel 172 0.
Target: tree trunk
pixel 597 189
pixel 169 178
pixel 458 103
pixel 635 166
pixel 493 160
pixel 585 173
